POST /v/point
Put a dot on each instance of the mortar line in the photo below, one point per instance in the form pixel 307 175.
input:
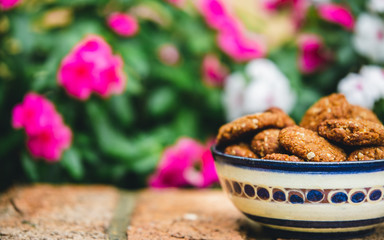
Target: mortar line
pixel 117 229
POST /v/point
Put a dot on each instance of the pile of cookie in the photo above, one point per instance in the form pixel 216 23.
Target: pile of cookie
pixel 331 130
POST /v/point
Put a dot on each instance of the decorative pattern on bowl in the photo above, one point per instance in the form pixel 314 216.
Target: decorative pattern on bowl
pixel 305 199
pixel 303 196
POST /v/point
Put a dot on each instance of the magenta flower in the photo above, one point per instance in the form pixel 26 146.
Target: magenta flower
pixel 50 142
pixel 298 8
pixel 337 14
pixel 47 136
pixel 177 166
pixel 110 80
pixel 215 13
pixel 8 4
pixel 208 168
pixel 213 71
pixel 240 47
pixel 312 54
pixel 34 114
pixel 123 24
pixel 91 67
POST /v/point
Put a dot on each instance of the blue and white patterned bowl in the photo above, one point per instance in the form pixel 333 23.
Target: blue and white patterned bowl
pixel 305 199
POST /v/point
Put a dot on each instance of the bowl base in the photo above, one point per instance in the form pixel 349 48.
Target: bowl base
pixel 312 235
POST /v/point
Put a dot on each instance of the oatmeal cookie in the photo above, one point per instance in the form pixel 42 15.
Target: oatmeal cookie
pixel 247 125
pixel 241 150
pixel 352 132
pixel 309 146
pixel 266 142
pixel 367 153
pixel 359 112
pixel 283 157
pixel 333 106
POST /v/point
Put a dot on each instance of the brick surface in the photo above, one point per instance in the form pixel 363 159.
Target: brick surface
pixel 87 212
pixel 195 214
pixel 56 212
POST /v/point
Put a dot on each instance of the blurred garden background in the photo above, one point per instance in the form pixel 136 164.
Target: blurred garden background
pixel 132 92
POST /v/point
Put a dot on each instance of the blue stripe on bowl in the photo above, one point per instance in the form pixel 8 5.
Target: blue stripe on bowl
pixel 286 234
pixel 299 167
pixel 314 224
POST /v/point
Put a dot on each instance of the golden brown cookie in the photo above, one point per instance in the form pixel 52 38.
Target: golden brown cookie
pixel 248 125
pixel 367 153
pixel 283 157
pixel 352 132
pixel 309 146
pixel 241 150
pixel 333 106
pixel 359 112
pixel 266 142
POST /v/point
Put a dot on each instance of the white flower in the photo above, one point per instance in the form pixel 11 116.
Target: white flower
pixel 375 76
pixel 369 37
pixel 376 5
pixel 261 87
pixel 364 88
pixel 234 86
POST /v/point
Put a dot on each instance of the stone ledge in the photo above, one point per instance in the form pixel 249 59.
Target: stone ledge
pixel 44 211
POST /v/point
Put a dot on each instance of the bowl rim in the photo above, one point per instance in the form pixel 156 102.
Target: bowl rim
pixel 286 166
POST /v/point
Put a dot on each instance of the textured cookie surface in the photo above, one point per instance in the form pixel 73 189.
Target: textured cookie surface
pixel 241 150
pixel 283 157
pixel 266 142
pixel 367 153
pixel 333 106
pixel 243 126
pixel 352 132
pixel 309 146
pixel 364 114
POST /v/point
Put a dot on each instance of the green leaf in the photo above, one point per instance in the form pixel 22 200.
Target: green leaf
pixel 110 140
pixel 122 109
pixel 162 101
pixel 186 123
pixel 10 141
pixel 378 108
pixel 286 61
pixel 146 164
pixel 71 161
pixel 30 167
pixel 134 56
pixel 177 76
pixel 346 55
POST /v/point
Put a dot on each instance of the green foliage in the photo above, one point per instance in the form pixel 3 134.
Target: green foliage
pixel 119 140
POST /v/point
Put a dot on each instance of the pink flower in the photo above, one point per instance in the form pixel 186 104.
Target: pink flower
pixel 213 71
pixel 312 55
pixel 8 4
pixel 177 166
pixel 208 167
pixel 240 47
pixel 123 24
pixel 50 142
pixel 47 136
pixel 168 54
pixel 298 8
pixel 110 80
pixel 91 67
pixel 337 14
pixel 216 14
pixel 34 114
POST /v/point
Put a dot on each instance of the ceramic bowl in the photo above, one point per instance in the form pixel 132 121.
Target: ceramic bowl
pixel 305 199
